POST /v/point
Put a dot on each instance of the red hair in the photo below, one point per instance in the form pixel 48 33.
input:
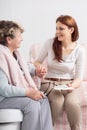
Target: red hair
pixel 69 22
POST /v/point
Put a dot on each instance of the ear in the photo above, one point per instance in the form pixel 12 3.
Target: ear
pixel 8 39
pixel 72 29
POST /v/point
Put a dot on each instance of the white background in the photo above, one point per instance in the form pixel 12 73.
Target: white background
pixel 38 18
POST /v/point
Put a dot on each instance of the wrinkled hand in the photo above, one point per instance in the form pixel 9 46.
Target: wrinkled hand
pixel 34 94
pixel 41 71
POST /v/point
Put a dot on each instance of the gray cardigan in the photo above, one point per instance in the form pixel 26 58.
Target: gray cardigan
pixel 7 90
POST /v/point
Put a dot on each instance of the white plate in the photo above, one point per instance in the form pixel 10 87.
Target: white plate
pixel 62 87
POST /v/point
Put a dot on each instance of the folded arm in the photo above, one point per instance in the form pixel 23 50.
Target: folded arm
pixel 8 90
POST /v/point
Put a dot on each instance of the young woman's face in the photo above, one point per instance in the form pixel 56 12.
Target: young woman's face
pixel 15 42
pixel 63 32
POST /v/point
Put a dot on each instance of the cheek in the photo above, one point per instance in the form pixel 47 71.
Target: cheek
pixel 18 40
pixel 68 35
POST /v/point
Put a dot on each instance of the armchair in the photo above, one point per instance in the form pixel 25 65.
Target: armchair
pixel 10 119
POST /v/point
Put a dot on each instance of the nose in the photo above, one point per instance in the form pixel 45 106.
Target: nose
pixel 57 32
pixel 21 39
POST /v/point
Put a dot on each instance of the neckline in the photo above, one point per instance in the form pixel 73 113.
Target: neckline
pixel 67 55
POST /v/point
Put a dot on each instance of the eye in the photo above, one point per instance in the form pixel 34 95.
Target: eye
pixel 60 28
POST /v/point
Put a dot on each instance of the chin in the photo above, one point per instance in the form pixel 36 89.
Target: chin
pixel 19 45
pixel 59 39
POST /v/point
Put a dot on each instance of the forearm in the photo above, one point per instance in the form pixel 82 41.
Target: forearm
pixel 8 90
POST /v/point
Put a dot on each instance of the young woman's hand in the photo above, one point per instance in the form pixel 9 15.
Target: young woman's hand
pixel 71 89
pixel 75 84
pixel 41 71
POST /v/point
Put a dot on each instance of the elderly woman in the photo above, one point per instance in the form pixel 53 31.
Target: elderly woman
pixel 17 89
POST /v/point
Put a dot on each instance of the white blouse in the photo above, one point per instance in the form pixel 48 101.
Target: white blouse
pixel 72 67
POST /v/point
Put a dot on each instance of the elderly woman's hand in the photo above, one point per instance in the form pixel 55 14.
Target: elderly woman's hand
pixel 41 71
pixel 34 94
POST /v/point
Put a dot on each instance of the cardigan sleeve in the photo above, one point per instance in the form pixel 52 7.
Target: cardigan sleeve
pixel 80 63
pixel 8 90
pixel 31 69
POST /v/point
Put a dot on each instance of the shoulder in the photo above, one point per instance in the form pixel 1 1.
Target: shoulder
pixel 83 46
pixel 80 48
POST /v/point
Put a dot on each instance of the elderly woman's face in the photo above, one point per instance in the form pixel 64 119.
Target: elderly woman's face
pixel 16 41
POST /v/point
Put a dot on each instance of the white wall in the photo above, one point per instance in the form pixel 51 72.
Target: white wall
pixel 38 18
